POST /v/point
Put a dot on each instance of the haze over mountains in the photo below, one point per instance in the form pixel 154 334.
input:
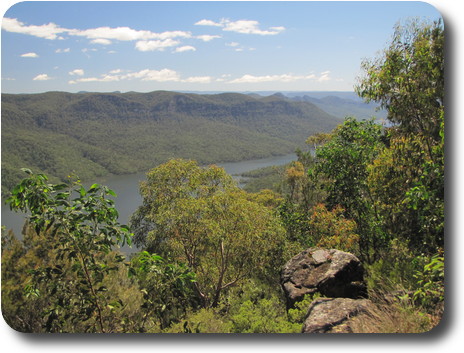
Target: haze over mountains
pixel 94 134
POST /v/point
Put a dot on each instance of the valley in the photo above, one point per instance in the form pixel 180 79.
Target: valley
pixel 96 134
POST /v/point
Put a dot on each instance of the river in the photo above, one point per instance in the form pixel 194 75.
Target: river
pixel 127 189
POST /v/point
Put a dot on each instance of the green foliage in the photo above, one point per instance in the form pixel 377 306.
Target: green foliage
pixel 407 177
pixel 204 320
pixel 298 314
pixel 264 316
pixel 302 190
pixel 389 181
pixel 331 230
pixel 295 220
pixel 395 270
pixel 81 227
pixel 254 307
pixel 167 289
pixel 408 189
pixel 17 311
pixel 199 216
pixel 431 283
pixel 344 161
pixel 408 79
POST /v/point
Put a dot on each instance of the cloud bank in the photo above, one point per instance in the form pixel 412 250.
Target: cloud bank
pixel 241 26
pixel 146 41
pixel 163 75
pixel 169 75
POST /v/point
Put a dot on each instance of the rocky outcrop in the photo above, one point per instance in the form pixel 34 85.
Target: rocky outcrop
pixel 336 315
pixel 338 277
pixel 332 273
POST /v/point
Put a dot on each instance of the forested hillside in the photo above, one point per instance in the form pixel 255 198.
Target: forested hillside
pixel 93 134
pixel 214 258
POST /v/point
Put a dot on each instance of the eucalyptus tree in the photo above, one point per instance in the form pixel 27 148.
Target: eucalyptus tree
pixel 199 216
pixel 408 80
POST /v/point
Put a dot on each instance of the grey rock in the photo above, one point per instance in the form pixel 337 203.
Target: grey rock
pixel 336 315
pixel 332 273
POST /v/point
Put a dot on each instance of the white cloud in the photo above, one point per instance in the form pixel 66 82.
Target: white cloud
pixel 118 33
pixel 207 37
pixel 103 78
pixel 172 34
pixel 66 50
pixel 324 76
pixel 100 35
pixel 250 27
pixel 278 28
pixel 242 26
pixel 163 75
pixel 272 78
pixel 223 77
pixel 48 31
pixel 77 72
pixel 42 77
pixel 152 45
pixel 29 55
pixel 101 41
pixel 198 79
pixel 208 23
pixel 126 34
pixel 233 44
pixel 267 78
pixel 168 75
pixel 184 48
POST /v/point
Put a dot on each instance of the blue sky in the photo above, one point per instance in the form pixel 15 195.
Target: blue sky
pixel 199 46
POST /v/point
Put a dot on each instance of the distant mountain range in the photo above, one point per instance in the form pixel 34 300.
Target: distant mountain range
pixel 94 134
pixel 338 103
pixel 341 104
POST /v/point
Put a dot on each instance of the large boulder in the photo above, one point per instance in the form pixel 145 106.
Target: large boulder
pixel 332 273
pixel 337 315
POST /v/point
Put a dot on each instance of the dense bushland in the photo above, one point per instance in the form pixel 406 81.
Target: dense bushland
pixel 211 252
pixel 95 134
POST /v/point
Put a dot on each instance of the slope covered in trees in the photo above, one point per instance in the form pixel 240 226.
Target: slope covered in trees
pixel 211 252
pixel 95 134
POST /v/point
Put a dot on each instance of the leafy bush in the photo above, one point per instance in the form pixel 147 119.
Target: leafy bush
pixel 431 283
pixel 167 289
pixel 81 226
pixel 205 320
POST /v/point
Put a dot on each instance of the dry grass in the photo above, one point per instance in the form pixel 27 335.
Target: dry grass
pixel 396 316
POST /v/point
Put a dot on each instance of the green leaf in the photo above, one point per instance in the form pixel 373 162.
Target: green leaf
pixel 82 191
pixel 27 171
pixel 111 192
pixel 94 187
